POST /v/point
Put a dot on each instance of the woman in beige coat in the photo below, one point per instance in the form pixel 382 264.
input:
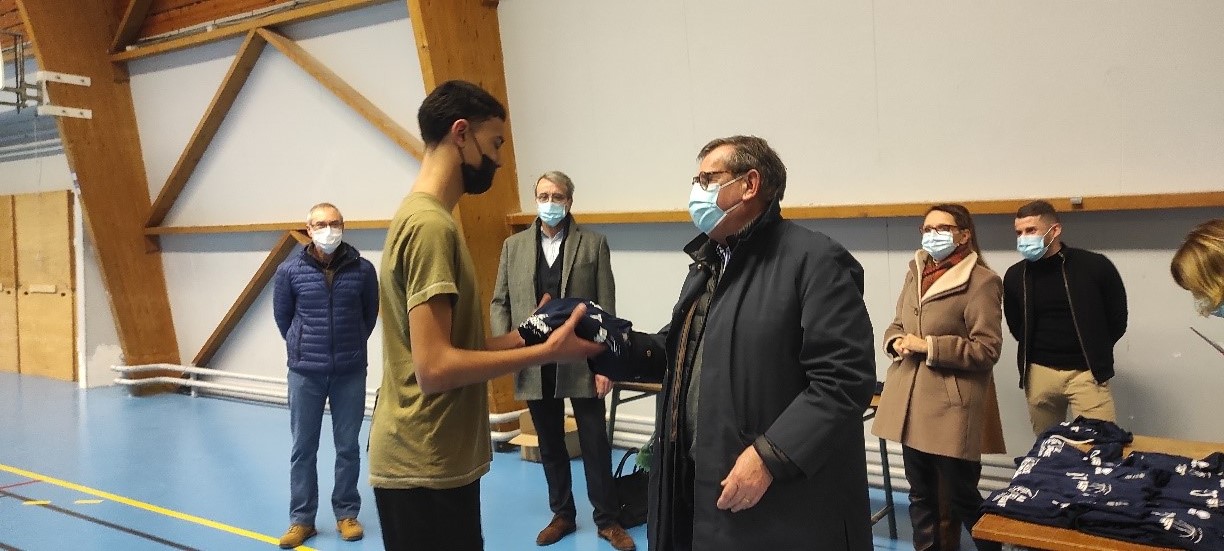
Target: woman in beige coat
pixel 939 396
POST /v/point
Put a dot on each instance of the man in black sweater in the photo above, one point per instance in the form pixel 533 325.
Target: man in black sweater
pixel 1067 309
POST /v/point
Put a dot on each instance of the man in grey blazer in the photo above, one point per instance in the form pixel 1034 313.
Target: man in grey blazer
pixel 557 257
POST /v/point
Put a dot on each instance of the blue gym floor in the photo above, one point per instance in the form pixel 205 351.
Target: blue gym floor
pixel 101 470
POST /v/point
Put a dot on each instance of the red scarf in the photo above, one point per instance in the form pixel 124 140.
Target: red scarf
pixel 932 269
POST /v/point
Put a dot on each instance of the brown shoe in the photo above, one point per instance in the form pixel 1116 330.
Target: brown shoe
pixel 296 535
pixel 558 528
pixel 618 537
pixel 350 529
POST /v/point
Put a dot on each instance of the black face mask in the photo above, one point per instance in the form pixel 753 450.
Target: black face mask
pixel 477 180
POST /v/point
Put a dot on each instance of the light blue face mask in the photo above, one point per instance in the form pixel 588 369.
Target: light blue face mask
pixel 551 213
pixel 1033 247
pixel 938 244
pixel 703 206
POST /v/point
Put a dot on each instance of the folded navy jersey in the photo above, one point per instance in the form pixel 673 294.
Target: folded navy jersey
pixel 1177 465
pixel 1120 517
pixel 1183 481
pixel 1031 504
pixel 1134 523
pixel 1107 453
pixel 1053 459
pixel 1194 492
pixel 1188 528
pixel 596 325
pixel 1110 484
pixel 1149 498
pixel 1060 450
pixel 1085 430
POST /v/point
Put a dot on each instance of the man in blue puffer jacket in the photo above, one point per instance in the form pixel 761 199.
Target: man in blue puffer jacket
pixel 326 305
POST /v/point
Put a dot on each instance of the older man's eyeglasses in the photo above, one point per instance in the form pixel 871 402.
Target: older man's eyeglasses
pixel 551 198
pixel 320 224
pixel 706 179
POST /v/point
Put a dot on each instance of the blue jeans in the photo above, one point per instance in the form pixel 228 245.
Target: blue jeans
pixel 307 394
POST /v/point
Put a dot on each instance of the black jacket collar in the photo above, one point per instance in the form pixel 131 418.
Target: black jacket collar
pixel 344 254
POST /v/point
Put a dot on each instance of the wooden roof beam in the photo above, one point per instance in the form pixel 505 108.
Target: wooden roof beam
pixel 462 40
pixel 72 36
pixel 283 248
pixel 305 13
pixel 259 227
pixel 129 26
pixel 346 93
pixel 239 70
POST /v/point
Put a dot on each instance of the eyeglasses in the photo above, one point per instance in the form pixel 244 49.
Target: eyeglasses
pixel 705 179
pixel 939 228
pixel 333 224
pixel 551 198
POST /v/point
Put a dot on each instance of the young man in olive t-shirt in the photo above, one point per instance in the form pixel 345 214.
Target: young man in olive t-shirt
pixel 429 441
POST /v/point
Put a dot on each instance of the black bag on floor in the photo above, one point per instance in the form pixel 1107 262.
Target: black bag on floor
pixel 631 490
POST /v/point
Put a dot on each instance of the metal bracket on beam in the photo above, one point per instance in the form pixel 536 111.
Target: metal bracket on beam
pixel 62 78
pixel 57 111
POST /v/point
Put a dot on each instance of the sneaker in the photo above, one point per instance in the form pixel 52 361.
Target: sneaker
pixel 296 535
pixel 350 529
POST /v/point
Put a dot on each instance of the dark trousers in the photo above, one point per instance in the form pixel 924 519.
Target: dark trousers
pixel 952 482
pixel 683 505
pixel 420 519
pixel 548 415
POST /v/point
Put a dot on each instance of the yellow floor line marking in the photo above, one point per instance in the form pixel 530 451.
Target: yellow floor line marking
pixel 88 501
pixel 145 506
pixel 36 502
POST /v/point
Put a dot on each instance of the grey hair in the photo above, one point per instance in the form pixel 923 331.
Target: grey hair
pixel 323 206
pixel 559 178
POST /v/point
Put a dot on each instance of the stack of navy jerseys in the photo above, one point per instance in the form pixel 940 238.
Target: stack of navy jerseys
pixel 596 325
pixel 1149 498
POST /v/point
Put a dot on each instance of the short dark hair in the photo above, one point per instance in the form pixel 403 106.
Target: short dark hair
pixel 753 152
pixel 1039 208
pixel 453 100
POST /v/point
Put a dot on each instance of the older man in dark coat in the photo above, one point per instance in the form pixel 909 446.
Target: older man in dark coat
pixel 767 367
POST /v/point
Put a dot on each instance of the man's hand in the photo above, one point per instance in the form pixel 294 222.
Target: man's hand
pixel 567 347
pixel 746 483
pixel 603 386
pixel 512 339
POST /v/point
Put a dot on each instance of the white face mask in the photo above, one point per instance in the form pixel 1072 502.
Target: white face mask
pixel 327 239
